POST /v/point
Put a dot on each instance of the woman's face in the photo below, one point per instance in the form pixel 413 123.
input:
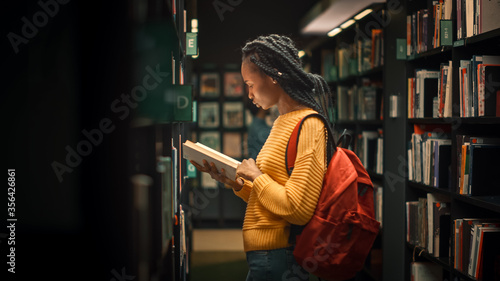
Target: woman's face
pixel 261 89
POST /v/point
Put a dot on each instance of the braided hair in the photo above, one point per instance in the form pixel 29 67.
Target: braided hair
pixel 277 57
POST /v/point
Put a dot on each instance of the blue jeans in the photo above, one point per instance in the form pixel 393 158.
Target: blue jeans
pixel 274 265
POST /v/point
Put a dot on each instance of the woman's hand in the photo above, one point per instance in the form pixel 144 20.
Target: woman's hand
pixel 248 170
pixel 236 184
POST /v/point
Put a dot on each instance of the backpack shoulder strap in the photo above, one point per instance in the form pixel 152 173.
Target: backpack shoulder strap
pixel 291 147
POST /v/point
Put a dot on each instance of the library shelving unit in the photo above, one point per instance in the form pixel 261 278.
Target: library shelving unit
pixel 353 64
pixel 222 124
pixel 399 173
pixel 161 217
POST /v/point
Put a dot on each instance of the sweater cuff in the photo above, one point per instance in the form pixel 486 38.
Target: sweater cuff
pixel 261 183
pixel 244 192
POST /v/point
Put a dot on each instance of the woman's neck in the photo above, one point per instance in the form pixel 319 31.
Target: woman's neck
pixel 286 104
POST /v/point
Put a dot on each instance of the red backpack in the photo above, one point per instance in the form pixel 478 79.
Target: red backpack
pixel 334 244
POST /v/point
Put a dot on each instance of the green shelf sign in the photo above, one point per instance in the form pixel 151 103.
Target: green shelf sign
pixel 190 170
pixel 174 103
pixel 458 43
pixel 191 44
pixel 401 49
pixel 446 33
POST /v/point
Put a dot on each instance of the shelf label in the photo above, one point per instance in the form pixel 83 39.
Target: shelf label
pixel 401 49
pixel 170 104
pixel 183 104
pixel 191 44
pixel 458 43
pixel 190 170
pixel 446 32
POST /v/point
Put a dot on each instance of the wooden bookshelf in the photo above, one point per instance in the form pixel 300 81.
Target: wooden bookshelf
pixel 354 124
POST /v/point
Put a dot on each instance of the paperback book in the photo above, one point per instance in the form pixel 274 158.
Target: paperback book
pixel 198 152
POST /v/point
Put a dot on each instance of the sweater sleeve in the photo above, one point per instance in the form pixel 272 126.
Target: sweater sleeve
pixel 297 199
pixel 244 192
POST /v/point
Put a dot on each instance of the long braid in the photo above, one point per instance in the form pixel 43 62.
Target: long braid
pixel 277 57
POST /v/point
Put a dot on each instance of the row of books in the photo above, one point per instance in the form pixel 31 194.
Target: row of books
pixel 476 16
pixel 430 91
pixel 479 84
pixel 347 63
pixel 423 27
pixel 428 224
pixel 475 169
pixel 377 51
pixel 473 243
pixel 429 158
pixel 369 148
pixel 477 247
pixel 352 59
pixel 359 103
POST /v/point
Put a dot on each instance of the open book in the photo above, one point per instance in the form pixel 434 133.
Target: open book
pixel 197 152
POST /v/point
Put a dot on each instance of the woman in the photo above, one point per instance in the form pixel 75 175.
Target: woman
pixel 273 73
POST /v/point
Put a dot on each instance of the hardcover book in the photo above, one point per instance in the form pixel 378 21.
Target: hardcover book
pixel 441 229
pixel 490 257
pixel 483 171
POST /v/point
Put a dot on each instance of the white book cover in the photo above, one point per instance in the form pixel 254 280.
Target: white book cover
pixel 197 152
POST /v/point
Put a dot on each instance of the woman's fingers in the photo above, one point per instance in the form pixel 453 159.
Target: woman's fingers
pixel 206 166
pixel 197 166
pixel 217 175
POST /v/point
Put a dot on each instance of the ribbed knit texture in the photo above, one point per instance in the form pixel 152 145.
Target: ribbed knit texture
pixel 274 200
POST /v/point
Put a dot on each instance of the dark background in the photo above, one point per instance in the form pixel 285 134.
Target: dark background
pixel 62 82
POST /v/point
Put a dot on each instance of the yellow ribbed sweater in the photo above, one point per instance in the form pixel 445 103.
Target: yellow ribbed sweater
pixel 274 200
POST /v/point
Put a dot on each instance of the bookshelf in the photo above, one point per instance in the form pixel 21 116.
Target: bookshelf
pixel 353 63
pixel 221 97
pixel 161 218
pixel 404 187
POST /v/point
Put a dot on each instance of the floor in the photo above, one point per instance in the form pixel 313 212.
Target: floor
pixel 218 255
